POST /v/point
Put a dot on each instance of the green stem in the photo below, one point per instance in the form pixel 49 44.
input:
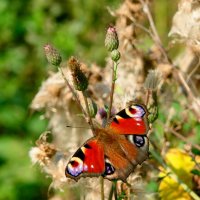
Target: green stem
pixel 158 158
pixel 114 78
pixel 88 112
pixel 183 185
pixel 111 193
pixel 115 189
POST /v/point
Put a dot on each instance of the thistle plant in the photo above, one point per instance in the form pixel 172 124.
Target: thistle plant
pixel 80 81
pixel 112 44
pixel 151 85
pixel 165 86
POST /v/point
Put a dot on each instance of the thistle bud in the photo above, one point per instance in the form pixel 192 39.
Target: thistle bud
pixel 52 55
pixel 111 40
pixel 153 113
pixel 79 79
pixel 115 55
pixel 103 113
pixel 92 108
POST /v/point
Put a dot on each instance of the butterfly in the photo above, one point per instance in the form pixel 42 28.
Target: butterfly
pixel 115 150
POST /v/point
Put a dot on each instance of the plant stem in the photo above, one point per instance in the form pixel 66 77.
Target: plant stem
pixel 183 185
pixel 148 94
pixel 155 35
pixel 178 135
pixel 111 193
pixel 102 187
pixel 188 91
pixel 88 112
pixel 115 189
pixel 114 78
pixel 159 159
pixel 193 70
pixel 73 93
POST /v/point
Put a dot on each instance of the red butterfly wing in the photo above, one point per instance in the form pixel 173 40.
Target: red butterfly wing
pixel 87 161
pixel 131 120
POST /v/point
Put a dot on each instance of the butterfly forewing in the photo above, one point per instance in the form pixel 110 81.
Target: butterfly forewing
pixel 131 120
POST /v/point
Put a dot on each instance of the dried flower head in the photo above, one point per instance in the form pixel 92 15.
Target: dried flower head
pixel 52 55
pixel 79 79
pixel 152 80
pixel 43 152
pixel 111 40
pixel 185 24
pixel 51 160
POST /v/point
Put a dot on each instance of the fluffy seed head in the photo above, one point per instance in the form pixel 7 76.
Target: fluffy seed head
pixel 152 80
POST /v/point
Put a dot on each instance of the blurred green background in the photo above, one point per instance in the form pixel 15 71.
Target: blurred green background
pixel 75 27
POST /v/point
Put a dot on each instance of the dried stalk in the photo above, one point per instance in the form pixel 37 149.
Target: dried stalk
pixel 193 70
pixel 177 72
pixel 155 35
pixel 72 91
pixel 148 94
pixel 86 115
pixel 178 135
pixel 102 187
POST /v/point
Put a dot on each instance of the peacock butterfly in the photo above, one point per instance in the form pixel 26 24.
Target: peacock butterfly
pixel 115 150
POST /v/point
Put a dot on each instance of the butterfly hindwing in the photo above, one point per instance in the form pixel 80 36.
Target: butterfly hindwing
pixel 131 120
pixel 122 154
pixel 88 160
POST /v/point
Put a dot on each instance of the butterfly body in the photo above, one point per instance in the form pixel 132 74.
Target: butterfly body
pixel 114 151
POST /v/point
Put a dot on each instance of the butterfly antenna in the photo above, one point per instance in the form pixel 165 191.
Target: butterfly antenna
pixel 69 126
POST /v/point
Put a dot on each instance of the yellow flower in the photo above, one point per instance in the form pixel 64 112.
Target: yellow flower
pixel 179 166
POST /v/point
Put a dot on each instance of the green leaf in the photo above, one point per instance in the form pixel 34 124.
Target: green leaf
pixel 195 172
pixel 195 151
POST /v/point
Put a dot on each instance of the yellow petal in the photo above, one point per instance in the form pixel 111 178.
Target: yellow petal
pixel 169 189
pixel 180 164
